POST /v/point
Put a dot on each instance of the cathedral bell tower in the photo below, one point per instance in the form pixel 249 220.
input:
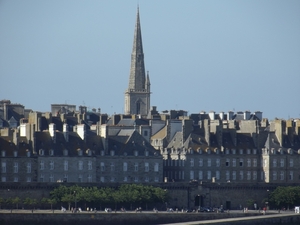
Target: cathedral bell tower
pixel 137 96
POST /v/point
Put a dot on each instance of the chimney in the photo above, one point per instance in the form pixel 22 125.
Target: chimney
pixel 52 131
pixel 81 131
pixel 230 115
pixel 66 132
pixel 247 115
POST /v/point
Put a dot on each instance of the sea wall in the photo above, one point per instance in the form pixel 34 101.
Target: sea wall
pixel 139 218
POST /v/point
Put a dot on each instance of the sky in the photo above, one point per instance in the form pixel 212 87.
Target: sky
pixel 209 55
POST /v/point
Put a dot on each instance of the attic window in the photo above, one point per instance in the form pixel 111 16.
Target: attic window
pixel 136 153
pixel 28 153
pixel 41 152
pixel 146 153
pixel 51 152
pixel 112 152
pixel 15 153
pixel 3 153
pixel 65 152
pixel 208 151
pixel 80 152
pixel 227 151
pixel 89 152
pixel 200 151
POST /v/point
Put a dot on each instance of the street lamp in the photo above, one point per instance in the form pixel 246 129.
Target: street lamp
pixel 75 201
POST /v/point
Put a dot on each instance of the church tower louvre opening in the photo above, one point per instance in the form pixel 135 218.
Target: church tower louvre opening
pixel 137 96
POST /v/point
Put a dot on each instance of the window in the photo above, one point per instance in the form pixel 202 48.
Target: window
pixel 200 162
pixel 112 167
pixel 217 162
pixel 291 163
pixel 51 152
pixel 192 163
pixel 65 152
pixel 136 153
pixel 208 174
pixel 15 154
pixel 28 167
pixel 90 178
pixel 248 162
pixel 291 175
pixel 254 162
pixel 233 151
pixel 16 167
pixel 262 175
pixel 65 177
pixel 80 165
pixel 274 162
pixel 102 153
pixel 241 162
pixel 51 178
pixel 218 175
pixel 274 175
pixel 241 175
pixel 248 151
pixel 192 175
pixel 3 153
pixel 227 151
pixel 254 175
pixel 28 179
pixel 3 167
pixel 146 167
pixel 146 179
pixel 146 153
pixel 90 165
pixel 281 162
pixel 28 153
pixel 16 179
pixel 3 179
pixel 42 165
pixel 156 167
pixel 125 179
pixel 156 179
pixel 145 133
pixel 248 175
pixel 102 166
pixel 41 152
pixel 241 151
pixel 233 175
pixel 42 178
pixel 281 175
pixel 65 165
pixel 136 179
pixel 209 162
pixel 102 179
pixel 80 178
pixel 80 152
pixel 254 151
pixel 200 175
pixel 233 162
pixel 51 165
pixel 227 175
pixel 227 163
pixel 136 167
pixel 112 152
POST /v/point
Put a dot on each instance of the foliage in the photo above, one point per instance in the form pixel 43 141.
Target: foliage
pixel 285 196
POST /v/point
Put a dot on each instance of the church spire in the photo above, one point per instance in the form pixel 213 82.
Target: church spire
pixel 137 96
pixel 137 69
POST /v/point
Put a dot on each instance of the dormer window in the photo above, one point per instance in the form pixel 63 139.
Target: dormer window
pixel 15 153
pixel 136 153
pixel 41 152
pixel 28 153
pixel 51 152
pixel 227 151
pixel 218 151
pixel 89 152
pixel 65 152
pixel 80 153
pixel 3 153
pixel 146 153
pixel 208 151
pixel 112 152
pixel 200 151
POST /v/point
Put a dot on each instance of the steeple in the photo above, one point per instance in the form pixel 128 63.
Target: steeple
pixel 137 69
pixel 137 96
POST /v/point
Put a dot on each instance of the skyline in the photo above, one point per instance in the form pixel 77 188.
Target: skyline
pixel 201 55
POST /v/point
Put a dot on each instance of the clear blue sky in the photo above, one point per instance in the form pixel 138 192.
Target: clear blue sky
pixel 201 55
